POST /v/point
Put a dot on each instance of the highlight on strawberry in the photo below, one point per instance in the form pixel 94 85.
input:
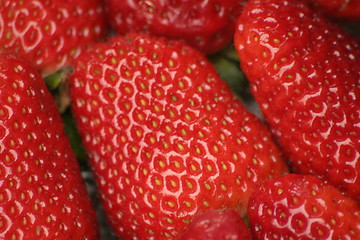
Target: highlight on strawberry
pixel 42 194
pixel 304 73
pixel 166 138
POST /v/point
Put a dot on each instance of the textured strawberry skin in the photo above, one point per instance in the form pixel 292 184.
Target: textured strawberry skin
pixel 165 136
pixel 217 225
pixel 302 207
pixel 207 26
pixel 49 33
pixel 304 73
pixel 42 194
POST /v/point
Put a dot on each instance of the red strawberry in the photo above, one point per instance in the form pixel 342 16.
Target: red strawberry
pixel 302 207
pixel 344 9
pixel 49 33
pixel 166 138
pixel 42 194
pixel 206 25
pixel 304 72
pixel 217 225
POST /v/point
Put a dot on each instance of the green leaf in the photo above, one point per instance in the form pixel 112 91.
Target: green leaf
pixel 227 65
pixel 54 80
pixel 75 139
pixel 353 28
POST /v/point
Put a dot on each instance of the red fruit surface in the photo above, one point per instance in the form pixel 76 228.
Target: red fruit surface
pixel 205 25
pixel 343 9
pixel 166 137
pixel 42 194
pixel 49 33
pixel 302 207
pixel 304 72
pixel 217 225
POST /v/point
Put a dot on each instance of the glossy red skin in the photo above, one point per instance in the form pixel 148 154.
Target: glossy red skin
pixel 302 207
pixel 304 73
pixel 42 194
pixel 217 225
pixel 50 33
pixel 343 9
pixel 165 136
pixel 205 25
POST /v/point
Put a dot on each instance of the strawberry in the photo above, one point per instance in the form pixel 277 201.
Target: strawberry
pixel 42 194
pixel 206 25
pixel 165 136
pixel 217 225
pixel 343 9
pixel 302 207
pixel 304 72
pixel 49 33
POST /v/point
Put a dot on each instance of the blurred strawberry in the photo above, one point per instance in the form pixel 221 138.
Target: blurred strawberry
pixel 206 25
pixel 217 225
pixel 166 138
pixel 42 194
pixel 49 33
pixel 342 9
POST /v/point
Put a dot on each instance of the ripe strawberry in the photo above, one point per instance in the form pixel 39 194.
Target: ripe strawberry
pixel 49 33
pixel 304 72
pixel 166 138
pixel 42 194
pixel 206 25
pixel 217 225
pixel 343 9
pixel 302 207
